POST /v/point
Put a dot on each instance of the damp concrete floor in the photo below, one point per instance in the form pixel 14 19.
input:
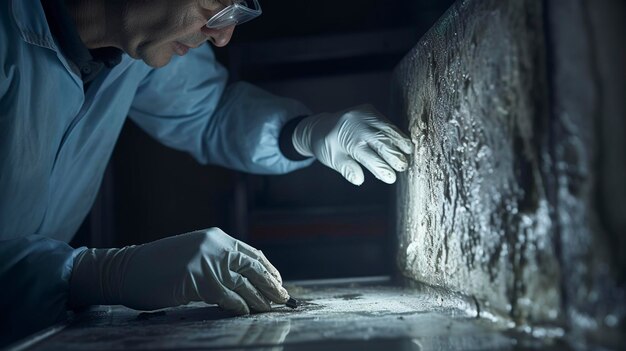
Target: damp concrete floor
pixel 358 314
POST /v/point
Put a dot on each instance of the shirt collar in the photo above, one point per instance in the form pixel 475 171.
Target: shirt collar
pixel 63 28
pixel 31 21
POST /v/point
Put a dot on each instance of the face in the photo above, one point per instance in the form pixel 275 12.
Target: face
pixel 155 30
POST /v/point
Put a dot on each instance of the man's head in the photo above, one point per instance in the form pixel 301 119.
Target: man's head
pixel 149 30
pixel 155 30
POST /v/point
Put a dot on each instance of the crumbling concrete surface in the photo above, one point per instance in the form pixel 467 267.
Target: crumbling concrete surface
pixel 500 201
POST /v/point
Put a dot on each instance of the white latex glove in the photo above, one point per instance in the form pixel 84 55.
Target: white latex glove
pixel 363 135
pixel 206 265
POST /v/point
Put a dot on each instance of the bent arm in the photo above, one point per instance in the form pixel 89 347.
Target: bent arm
pixel 188 106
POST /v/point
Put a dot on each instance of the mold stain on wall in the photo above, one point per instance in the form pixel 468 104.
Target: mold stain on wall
pixel 475 215
pixel 506 201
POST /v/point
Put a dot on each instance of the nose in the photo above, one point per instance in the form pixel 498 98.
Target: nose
pixel 219 37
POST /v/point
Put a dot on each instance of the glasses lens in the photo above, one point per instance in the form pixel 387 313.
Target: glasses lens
pixel 251 4
pixel 239 12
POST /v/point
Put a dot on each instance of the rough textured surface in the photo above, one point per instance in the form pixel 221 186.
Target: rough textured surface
pixel 476 216
pixel 508 104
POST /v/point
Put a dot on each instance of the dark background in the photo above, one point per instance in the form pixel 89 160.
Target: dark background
pixel 329 54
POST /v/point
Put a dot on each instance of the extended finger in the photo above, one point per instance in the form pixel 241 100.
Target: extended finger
pixel 390 153
pixel 260 278
pixel 270 267
pixel 230 301
pixel 348 168
pixel 397 137
pixel 375 164
pixel 258 254
pixel 253 298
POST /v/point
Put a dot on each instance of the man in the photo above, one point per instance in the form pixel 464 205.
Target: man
pixel 70 73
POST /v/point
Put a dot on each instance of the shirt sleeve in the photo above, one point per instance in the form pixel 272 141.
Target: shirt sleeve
pixel 188 106
pixel 34 280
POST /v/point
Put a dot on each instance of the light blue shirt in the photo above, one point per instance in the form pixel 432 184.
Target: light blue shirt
pixel 56 140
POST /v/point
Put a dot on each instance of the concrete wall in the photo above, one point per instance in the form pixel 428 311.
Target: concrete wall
pixel 501 201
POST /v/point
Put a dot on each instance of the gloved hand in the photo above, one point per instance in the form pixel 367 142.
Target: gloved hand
pixel 206 265
pixel 363 135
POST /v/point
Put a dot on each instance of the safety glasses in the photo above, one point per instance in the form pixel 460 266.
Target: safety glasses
pixel 239 12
